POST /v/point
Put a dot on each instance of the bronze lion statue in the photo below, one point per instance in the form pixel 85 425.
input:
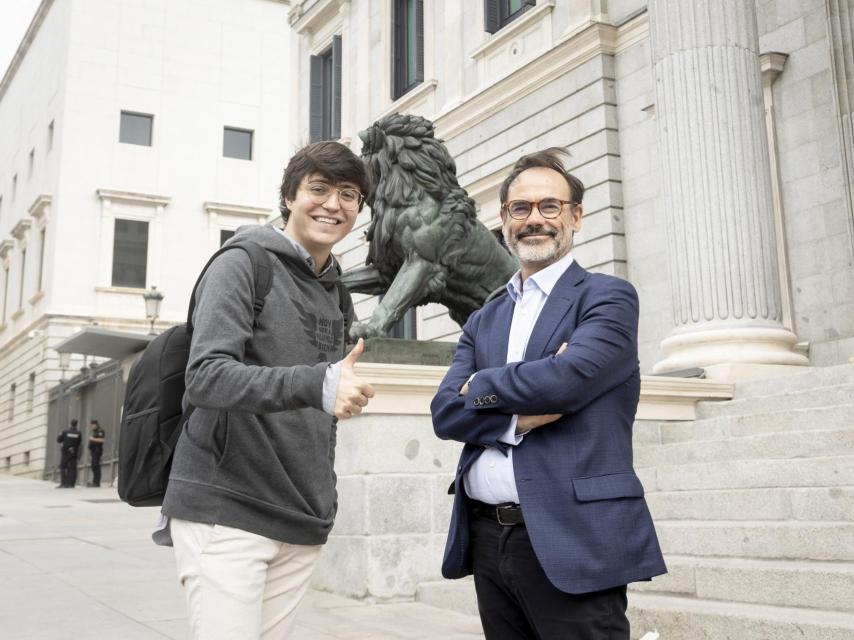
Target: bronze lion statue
pixel 426 243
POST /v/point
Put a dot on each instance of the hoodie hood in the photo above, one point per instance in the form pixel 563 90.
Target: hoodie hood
pixel 273 240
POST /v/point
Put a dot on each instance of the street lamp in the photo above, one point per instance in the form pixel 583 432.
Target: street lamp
pixel 152 298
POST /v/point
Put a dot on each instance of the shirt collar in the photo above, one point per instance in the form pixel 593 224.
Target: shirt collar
pixel 305 255
pixel 544 279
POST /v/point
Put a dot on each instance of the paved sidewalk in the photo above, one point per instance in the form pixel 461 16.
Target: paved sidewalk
pixel 78 563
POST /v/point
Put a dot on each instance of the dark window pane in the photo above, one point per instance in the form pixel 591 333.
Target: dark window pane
pixel 135 128
pixel 130 253
pixel 237 143
pixel 408 46
pixel 224 234
pixel 325 95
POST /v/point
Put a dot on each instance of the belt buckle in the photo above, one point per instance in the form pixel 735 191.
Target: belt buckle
pixel 498 511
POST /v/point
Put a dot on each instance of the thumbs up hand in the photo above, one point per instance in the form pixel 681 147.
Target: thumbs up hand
pixel 353 393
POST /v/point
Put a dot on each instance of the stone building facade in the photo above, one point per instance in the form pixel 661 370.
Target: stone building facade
pixel 715 143
pixel 133 138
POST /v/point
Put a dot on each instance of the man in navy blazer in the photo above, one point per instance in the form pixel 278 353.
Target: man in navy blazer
pixel 548 513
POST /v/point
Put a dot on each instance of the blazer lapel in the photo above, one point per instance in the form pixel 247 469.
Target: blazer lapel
pixel 558 304
pixel 499 332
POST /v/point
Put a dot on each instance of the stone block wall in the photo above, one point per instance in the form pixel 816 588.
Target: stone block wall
pixel 393 507
pixel 821 254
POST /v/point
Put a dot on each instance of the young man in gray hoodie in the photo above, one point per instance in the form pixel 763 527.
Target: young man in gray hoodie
pixel 251 496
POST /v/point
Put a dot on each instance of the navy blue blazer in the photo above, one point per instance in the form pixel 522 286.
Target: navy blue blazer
pixel 582 502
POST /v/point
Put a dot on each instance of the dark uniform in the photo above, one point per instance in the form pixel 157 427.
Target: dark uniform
pixel 96 448
pixel 70 439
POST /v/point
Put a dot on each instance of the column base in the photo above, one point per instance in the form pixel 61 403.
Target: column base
pixel 746 353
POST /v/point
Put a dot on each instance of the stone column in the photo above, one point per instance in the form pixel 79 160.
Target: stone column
pixel 716 182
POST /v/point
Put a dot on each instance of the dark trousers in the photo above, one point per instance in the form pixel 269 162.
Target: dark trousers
pixel 95 455
pixel 518 602
pixel 68 469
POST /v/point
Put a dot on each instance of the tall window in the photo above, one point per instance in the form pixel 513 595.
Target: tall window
pixel 497 13
pixel 12 401
pixel 31 163
pixel 237 143
pixel 135 128
pixel 42 239
pixel 14 186
pixel 325 94
pixel 5 292
pixel 31 391
pixel 130 253
pixel 23 277
pixel 224 235
pixel 407 46
pixel 50 128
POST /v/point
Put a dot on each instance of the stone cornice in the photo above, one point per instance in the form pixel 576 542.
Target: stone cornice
pixel 307 21
pixel 5 247
pixel 572 51
pixel 21 227
pixel 514 29
pixel 40 205
pixel 27 40
pixel 145 199
pixel 409 389
pixel 242 210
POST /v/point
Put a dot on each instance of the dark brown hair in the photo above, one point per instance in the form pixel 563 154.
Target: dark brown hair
pixel 329 159
pixel 550 159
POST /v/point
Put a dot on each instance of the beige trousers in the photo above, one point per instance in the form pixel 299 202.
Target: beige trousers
pixel 239 585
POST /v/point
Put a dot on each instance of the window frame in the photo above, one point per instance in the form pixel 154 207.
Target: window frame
pixel 227 129
pixel 402 12
pixel 113 282
pixel 137 114
pixel 497 13
pixel 325 70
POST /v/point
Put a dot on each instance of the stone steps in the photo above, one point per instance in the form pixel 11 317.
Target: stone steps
pixel 790 444
pixel 789 540
pixel 806 398
pixel 678 618
pixel 827 504
pixel 829 471
pixel 819 585
pixel 716 616
pixel 648 433
pixel 813 378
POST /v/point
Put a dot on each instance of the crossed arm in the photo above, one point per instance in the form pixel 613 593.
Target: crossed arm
pixel 601 354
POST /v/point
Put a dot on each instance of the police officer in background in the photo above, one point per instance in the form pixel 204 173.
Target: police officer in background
pixel 96 448
pixel 70 439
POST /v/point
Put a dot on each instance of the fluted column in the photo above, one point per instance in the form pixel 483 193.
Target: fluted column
pixel 717 188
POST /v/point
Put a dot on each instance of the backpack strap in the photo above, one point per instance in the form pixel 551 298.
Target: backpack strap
pixel 345 303
pixel 262 271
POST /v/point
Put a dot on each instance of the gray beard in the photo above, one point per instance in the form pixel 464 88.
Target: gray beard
pixel 547 252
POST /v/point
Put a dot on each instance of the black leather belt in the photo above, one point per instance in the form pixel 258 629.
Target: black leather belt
pixel 503 514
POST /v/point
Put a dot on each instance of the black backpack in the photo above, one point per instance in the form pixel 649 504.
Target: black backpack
pixel 153 417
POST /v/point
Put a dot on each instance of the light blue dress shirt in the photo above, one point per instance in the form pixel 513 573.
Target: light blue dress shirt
pixel 491 479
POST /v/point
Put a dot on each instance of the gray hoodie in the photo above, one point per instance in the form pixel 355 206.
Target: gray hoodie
pixel 258 451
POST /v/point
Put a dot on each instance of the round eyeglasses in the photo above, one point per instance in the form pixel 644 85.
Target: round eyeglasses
pixel 348 198
pixel 548 207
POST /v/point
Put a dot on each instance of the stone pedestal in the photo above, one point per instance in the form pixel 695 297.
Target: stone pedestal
pixel 394 473
pixel 717 188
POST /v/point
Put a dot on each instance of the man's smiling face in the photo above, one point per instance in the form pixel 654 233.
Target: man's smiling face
pixel 317 227
pixel 538 241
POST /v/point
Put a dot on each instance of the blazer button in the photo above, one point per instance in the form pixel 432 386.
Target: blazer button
pixel 493 399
